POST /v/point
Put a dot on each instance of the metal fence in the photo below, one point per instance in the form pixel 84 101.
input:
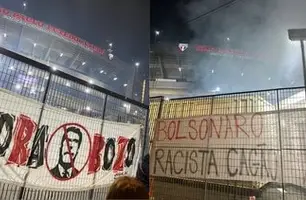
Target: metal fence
pixel 240 163
pixel 45 88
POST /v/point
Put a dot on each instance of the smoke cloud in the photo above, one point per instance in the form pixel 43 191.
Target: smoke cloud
pixel 258 27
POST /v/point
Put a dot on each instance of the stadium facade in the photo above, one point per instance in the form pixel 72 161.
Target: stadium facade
pixel 204 69
pixel 67 52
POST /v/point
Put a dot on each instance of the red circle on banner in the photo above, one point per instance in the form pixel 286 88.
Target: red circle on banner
pixel 64 126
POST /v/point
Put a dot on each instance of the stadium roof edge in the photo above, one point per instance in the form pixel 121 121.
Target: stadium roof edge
pixel 50 29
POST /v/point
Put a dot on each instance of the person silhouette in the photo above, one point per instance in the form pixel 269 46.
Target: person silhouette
pixel 69 149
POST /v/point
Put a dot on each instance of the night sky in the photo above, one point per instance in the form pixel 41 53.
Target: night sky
pixel 255 27
pixel 124 23
pixel 166 17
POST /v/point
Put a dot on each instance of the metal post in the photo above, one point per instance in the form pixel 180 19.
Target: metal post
pixel 207 147
pixel 134 81
pixel 145 138
pixel 160 108
pixel 91 193
pixel 280 141
pixel 44 100
pixel 304 62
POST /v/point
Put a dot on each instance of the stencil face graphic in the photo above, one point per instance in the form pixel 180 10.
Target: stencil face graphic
pixel 67 165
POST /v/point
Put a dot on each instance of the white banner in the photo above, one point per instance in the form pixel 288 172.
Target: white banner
pixel 64 151
pixel 229 147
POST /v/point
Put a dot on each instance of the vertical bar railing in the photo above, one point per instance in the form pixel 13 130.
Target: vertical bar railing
pixel 152 144
pixel 207 147
pixel 280 142
pixel 91 192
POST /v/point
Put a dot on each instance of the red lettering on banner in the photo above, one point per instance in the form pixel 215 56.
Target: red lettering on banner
pixel 82 42
pixel 29 20
pixel 51 28
pixel 95 155
pixel 221 126
pixel 118 165
pixel 24 129
pixel 4 11
pixel 191 125
pixel 17 16
pixel 159 130
pixel 67 35
pixel 87 45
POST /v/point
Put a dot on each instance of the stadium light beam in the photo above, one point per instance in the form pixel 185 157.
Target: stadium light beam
pixel 18 87
pixel 157 33
pixel 299 35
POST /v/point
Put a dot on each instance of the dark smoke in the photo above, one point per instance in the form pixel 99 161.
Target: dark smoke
pixel 258 27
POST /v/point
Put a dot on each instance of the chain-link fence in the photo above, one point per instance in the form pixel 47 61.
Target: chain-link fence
pixel 63 137
pixel 248 145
